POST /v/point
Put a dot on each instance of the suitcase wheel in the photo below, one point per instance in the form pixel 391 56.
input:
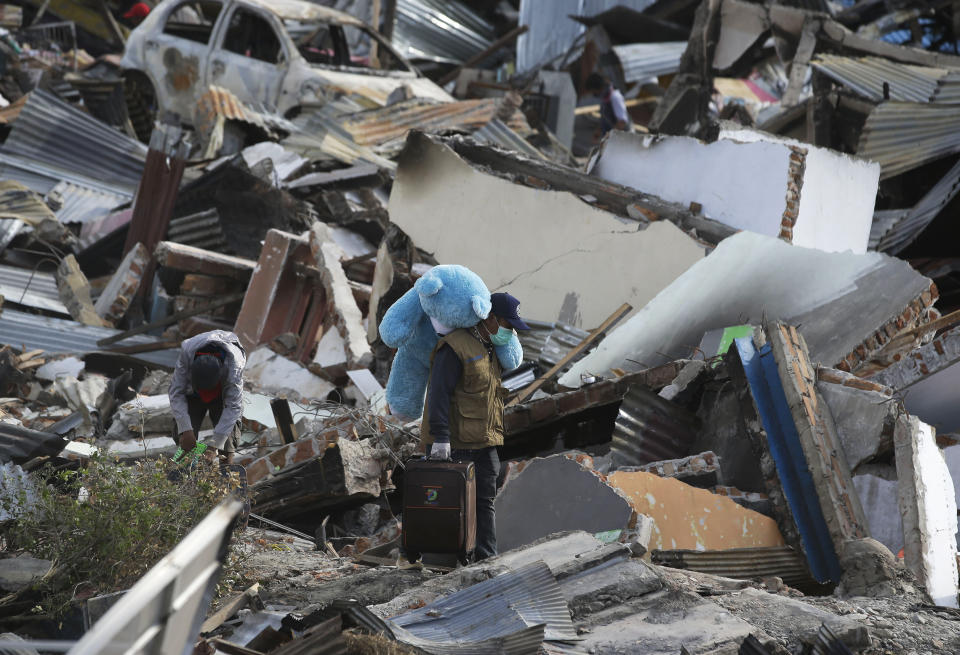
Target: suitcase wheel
pixel 413 557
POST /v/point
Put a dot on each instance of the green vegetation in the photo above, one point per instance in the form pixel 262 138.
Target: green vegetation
pixel 105 525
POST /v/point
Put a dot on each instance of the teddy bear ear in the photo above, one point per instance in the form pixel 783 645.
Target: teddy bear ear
pixel 429 285
pixel 481 306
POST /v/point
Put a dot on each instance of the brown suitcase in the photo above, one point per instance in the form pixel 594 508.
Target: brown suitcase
pixel 439 508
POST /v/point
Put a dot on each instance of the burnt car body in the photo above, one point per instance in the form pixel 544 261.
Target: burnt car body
pixel 275 56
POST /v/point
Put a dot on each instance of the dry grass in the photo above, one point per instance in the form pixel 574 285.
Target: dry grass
pixel 361 644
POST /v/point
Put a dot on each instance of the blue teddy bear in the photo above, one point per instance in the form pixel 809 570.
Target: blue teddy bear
pixel 453 296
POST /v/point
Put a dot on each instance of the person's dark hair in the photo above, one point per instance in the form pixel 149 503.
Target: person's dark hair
pixel 595 82
pixel 205 372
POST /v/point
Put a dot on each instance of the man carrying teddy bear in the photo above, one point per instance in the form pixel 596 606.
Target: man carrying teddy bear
pixel 465 373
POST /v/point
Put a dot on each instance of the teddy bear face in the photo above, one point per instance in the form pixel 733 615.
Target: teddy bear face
pixel 453 295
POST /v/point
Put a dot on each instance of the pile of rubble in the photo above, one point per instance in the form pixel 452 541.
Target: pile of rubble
pixel 734 429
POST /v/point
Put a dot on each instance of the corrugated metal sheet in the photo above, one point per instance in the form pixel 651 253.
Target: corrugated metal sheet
pixel 82 203
pixel 320 135
pixel 553 31
pixel 741 563
pixel 520 609
pixel 55 335
pixel 379 126
pixel 440 30
pixel 51 132
pixel 650 428
pixel 9 228
pixel 901 136
pixel 42 178
pixel 892 231
pixel 17 201
pixel 548 343
pixel 498 133
pixel 33 289
pixel 908 83
pixel 201 230
pixel 641 61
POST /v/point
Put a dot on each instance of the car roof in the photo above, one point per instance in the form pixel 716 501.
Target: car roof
pixel 302 10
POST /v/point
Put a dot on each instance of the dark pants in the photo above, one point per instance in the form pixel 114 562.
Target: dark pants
pixel 198 411
pixel 487 466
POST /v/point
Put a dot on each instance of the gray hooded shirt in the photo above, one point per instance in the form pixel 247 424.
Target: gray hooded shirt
pixel 232 382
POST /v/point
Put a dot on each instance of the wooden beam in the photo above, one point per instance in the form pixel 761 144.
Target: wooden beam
pixel 179 316
pixel 230 608
pixel 486 52
pixel 622 311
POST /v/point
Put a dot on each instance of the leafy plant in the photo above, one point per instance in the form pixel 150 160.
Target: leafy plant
pixel 105 525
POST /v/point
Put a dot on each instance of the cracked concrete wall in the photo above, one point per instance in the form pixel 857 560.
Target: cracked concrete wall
pixel 752 181
pixel 564 259
pixel 925 494
pixel 840 299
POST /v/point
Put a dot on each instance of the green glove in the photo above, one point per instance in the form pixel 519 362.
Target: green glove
pixel 195 454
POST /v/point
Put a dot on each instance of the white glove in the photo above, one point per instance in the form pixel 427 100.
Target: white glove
pixel 440 451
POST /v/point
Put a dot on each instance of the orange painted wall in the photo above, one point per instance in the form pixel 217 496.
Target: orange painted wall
pixel 690 518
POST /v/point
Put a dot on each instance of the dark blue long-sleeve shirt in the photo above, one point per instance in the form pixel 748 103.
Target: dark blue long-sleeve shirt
pixel 444 375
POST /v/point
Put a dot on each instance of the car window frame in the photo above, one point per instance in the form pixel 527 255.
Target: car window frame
pixel 279 30
pixel 174 7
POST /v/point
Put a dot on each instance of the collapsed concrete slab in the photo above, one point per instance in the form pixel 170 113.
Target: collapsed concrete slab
pixel 113 303
pixel 927 379
pixel 145 415
pixel 342 307
pixel 929 510
pixel 532 505
pixel 863 419
pixel 565 257
pixel 282 296
pixel 774 613
pixel 808 196
pixel 878 497
pixel 849 305
pixel 819 440
pixel 274 374
pixel 196 260
pixel 790 430
pixel 665 623
pixel 687 517
pixel 74 291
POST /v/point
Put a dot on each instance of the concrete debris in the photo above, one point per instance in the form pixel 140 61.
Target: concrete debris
pixel 565 255
pixel 800 182
pixel 345 315
pixel 929 510
pixel 66 366
pixel 115 299
pixel 74 290
pixel 687 517
pixel 17 573
pixel 764 453
pixel 750 278
pixel 273 374
pixel 150 415
pixel 585 502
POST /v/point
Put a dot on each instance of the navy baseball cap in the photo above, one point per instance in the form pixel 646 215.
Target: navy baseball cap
pixel 505 306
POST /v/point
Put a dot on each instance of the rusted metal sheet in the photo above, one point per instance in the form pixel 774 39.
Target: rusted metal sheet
pixel 392 123
pixel 741 563
pixel 158 190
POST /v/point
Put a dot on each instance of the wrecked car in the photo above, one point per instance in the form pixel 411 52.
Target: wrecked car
pixel 275 56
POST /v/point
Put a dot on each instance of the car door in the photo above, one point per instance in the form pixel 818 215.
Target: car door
pixel 176 53
pixel 250 57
